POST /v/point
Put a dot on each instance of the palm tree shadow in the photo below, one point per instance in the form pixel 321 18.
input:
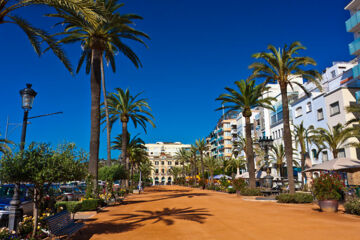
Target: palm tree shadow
pixel 167 215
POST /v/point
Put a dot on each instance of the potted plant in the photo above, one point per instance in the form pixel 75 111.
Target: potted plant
pixel 327 190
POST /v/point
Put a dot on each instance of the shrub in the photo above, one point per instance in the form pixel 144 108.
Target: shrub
pixel 217 188
pixel 239 184
pixel 295 198
pixel 231 190
pixel 250 192
pixel 71 206
pixel 352 206
pixel 210 187
pixel 89 204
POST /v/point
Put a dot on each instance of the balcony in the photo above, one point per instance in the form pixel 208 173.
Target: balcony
pixel 356 71
pixel 354 47
pixel 233 131
pixel 352 25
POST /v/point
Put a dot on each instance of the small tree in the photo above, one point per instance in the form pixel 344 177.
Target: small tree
pixel 40 165
pixel 110 174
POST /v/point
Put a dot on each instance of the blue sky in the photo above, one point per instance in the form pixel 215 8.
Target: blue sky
pixel 196 49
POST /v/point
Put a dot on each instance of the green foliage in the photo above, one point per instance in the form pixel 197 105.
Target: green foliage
pixel 90 204
pixel 295 198
pixel 71 206
pixel 328 187
pixel 352 206
pixel 250 192
pixel 112 173
pixel 89 193
pixel 231 190
pixel 239 184
pixel 224 183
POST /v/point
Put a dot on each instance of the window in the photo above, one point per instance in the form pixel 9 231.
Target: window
pixel 156 162
pixel 333 74
pixel 162 170
pixel 169 162
pixel 298 112
pixel 314 153
pixel 176 163
pixel 151 153
pixel 157 171
pixel 162 162
pixel 308 107
pixel 320 114
pixel 334 108
pixel 341 153
pixel 279 133
pixel 325 156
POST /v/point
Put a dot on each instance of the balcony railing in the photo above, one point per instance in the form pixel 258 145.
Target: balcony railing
pixel 356 71
pixel 354 47
pixel 352 23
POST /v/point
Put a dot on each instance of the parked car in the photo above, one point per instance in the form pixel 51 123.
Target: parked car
pixel 70 193
pixel 6 194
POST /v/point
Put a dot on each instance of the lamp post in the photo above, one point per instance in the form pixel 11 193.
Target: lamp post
pixel 265 143
pixel 27 95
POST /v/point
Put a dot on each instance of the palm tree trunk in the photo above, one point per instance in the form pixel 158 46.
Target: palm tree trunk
pixel 303 175
pixel 124 140
pixel 202 169
pixel 287 139
pixel 108 128
pixel 250 153
pixel 95 84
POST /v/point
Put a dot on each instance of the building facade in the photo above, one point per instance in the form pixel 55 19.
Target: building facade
pixel 162 155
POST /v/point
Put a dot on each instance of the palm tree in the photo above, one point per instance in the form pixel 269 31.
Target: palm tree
pixel 334 137
pixel 302 139
pixel 201 147
pixel 125 107
pixel 175 172
pixel 283 66
pixel 183 156
pixel 98 39
pixel 236 164
pixel 4 145
pixel 36 35
pixel 193 159
pixel 212 164
pixel 277 155
pixel 247 97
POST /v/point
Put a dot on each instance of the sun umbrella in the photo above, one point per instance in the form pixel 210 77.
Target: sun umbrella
pixel 221 176
pixel 337 164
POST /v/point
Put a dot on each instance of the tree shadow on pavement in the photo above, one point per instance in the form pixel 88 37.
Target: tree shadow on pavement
pixel 167 215
pixel 104 227
pixel 165 197
pixel 129 222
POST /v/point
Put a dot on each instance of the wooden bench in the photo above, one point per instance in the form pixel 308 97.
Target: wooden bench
pixel 61 224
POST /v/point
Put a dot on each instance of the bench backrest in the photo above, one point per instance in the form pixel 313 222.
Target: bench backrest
pixel 58 221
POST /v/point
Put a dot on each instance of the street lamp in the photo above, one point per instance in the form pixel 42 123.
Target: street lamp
pixel 265 143
pixel 15 215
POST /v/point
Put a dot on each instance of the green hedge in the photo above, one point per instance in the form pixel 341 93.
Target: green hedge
pixel 250 192
pixel 71 206
pixel 295 198
pixel 352 207
pixel 90 204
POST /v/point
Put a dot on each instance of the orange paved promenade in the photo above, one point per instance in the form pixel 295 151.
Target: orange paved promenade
pixel 172 212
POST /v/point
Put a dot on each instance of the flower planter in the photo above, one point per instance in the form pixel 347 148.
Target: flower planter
pixel 329 205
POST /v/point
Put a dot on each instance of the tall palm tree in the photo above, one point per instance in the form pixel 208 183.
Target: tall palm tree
pixel 194 160
pixel 302 138
pixel 125 107
pixel 334 137
pixel 37 36
pixel 98 39
pixel 201 147
pixel 183 156
pixel 282 66
pixel 277 155
pixel 247 97
pixel 212 164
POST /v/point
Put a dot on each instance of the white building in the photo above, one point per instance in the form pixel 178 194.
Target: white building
pixel 162 156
